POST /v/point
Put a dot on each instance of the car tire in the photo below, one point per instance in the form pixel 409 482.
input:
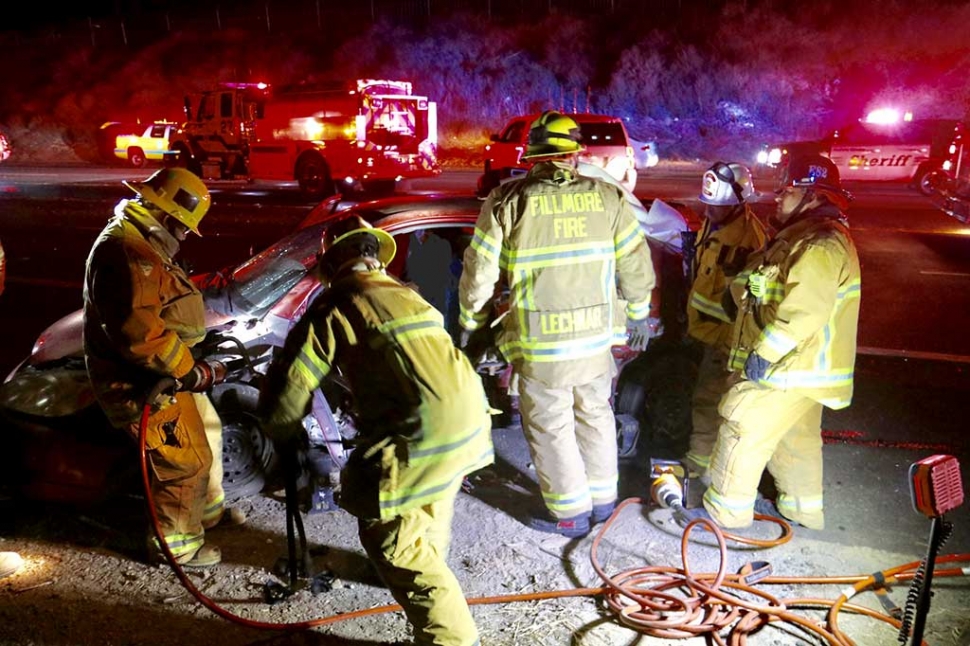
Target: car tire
pixel 930 182
pixel 486 182
pixel 249 458
pixel 657 388
pixel 313 176
pixel 136 157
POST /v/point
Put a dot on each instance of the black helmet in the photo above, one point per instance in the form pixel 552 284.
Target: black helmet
pixel 811 170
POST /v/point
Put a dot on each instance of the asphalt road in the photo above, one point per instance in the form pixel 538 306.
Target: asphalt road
pixel 913 369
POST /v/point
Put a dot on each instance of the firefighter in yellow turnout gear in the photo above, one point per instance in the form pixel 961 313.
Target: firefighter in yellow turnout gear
pixel 422 416
pixel 141 316
pixel 795 341
pixel 562 244
pixel 730 233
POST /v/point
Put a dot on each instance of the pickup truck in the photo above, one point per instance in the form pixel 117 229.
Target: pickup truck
pixel 150 143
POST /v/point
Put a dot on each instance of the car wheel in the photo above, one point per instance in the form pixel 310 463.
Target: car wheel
pixel 657 388
pixel 249 458
pixel 486 182
pixel 136 157
pixel 930 182
pixel 313 176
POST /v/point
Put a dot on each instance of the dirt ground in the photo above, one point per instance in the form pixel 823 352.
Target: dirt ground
pixel 85 583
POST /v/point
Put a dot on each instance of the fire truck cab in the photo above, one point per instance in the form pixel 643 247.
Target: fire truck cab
pixel 329 138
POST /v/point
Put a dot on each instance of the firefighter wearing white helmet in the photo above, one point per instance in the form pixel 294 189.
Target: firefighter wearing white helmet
pixel 422 418
pixel 794 344
pixel 142 315
pixel 729 234
pixel 563 244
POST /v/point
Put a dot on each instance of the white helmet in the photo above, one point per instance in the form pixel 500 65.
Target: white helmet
pixel 726 184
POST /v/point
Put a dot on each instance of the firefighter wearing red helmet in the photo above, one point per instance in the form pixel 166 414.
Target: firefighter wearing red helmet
pixel 421 412
pixel 142 315
pixel 795 344
pixel 730 233
pixel 563 244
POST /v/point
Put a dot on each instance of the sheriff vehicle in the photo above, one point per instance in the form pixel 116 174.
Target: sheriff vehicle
pixel 886 146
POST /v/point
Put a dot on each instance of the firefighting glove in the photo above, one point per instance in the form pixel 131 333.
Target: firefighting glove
pixel 203 376
pixel 757 284
pixel 756 367
pixel 638 335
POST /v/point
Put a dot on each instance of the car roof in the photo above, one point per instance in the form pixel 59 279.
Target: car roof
pixel 430 205
pixel 578 117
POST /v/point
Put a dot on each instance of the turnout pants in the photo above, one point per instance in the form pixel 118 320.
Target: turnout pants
pixel 215 497
pixel 777 429
pixel 179 460
pixel 571 433
pixel 713 380
pixel 410 554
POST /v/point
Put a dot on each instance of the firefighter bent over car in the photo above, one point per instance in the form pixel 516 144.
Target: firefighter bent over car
pixel 422 417
pixel 141 316
pixel 562 244
pixel 795 341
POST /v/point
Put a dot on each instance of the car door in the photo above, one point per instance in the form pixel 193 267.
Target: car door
pixel 874 153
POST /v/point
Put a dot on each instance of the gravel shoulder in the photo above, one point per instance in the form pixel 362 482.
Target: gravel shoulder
pixel 84 582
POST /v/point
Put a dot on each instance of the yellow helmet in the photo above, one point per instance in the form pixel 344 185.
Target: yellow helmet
pixel 350 225
pixel 551 135
pixel 178 192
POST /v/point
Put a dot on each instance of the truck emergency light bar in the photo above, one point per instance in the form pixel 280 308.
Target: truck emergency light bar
pixel 245 86
pixel 935 485
pixel 887 116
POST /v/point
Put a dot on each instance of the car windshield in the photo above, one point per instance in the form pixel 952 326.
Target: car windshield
pixel 602 134
pixel 260 282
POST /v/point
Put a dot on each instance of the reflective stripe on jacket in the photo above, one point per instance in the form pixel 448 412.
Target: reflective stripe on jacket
pixel 141 312
pixel 562 244
pixel 421 409
pixel 719 255
pixel 806 321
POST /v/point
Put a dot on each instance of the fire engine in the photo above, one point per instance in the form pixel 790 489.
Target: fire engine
pixel 341 137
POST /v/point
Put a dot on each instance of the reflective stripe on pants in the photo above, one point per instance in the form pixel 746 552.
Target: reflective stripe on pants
pixel 713 380
pixel 571 433
pixel 410 554
pixel 770 428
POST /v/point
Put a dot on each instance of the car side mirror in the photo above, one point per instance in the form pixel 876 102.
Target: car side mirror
pixel 494 137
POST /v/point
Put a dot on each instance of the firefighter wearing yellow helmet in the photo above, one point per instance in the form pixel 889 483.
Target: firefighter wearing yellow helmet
pixel 422 417
pixel 563 245
pixel 729 234
pixel 142 315
pixel 794 343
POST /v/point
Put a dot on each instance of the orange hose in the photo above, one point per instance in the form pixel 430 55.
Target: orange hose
pixel 705 611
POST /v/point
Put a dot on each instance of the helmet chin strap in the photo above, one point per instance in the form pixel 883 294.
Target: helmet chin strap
pixel 807 198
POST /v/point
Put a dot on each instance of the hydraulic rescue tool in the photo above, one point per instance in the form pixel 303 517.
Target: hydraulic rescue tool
pixel 669 483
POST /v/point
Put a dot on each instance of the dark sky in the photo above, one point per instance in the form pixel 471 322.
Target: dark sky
pixel 30 15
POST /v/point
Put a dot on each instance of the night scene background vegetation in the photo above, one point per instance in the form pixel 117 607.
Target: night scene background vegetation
pixel 702 79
